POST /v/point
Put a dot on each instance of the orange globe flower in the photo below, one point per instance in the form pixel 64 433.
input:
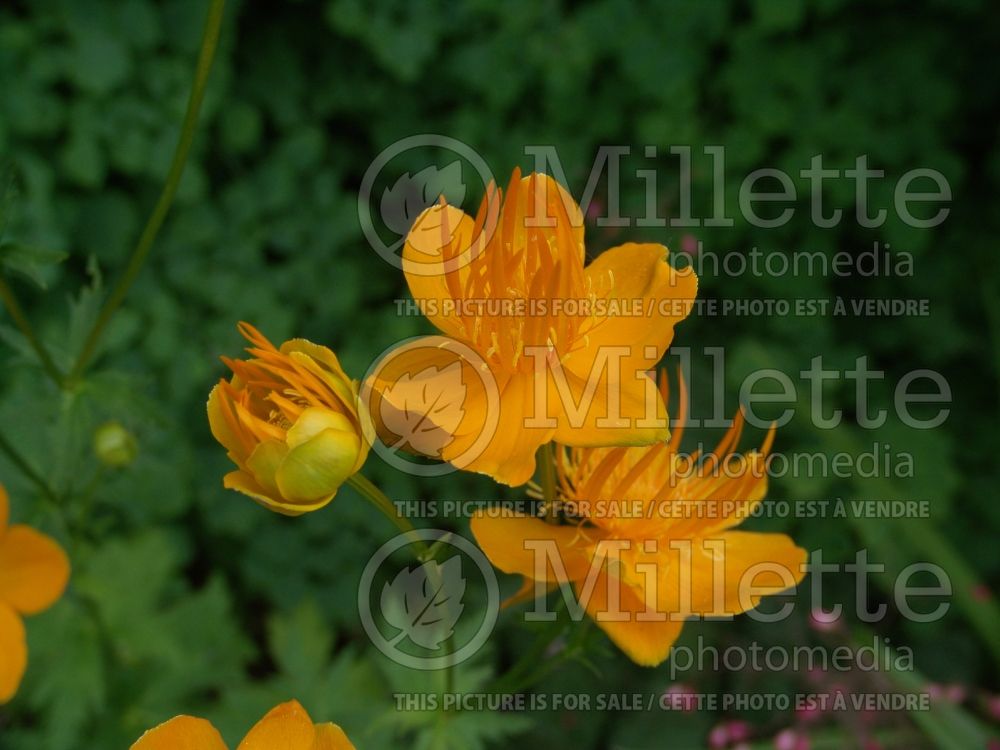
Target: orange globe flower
pixel 650 542
pixel 34 571
pixel 564 346
pixel 285 727
pixel 289 420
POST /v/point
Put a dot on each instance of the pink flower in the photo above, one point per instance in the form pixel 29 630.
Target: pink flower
pixel 739 731
pixel 993 706
pixel 809 714
pixel 789 739
pixel 689 244
pixel 681 697
pixel 955 692
pixel 595 208
pixel 719 736
pixel 823 622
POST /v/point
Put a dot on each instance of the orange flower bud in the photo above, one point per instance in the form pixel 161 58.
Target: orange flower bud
pixel 289 419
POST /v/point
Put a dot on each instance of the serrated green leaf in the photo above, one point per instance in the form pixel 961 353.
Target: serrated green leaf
pixel 300 643
pixel 34 262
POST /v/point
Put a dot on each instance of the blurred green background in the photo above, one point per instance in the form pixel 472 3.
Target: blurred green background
pixel 188 598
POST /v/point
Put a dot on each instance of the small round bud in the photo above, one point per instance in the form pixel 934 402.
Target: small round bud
pixel 114 445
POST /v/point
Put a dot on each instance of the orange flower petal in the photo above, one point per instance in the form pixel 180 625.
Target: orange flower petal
pixel 618 407
pixel 424 393
pixel 440 245
pixel 508 543
pixel 331 737
pixel 510 455
pixel 33 570
pixel 554 210
pixel 4 508
pixel 323 363
pixel 285 727
pixel 241 481
pixel 181 733
pixel 730 573
pixel 646 642
pixel 637 274
pixel 427 398
pixel 225 430
pixel 13 652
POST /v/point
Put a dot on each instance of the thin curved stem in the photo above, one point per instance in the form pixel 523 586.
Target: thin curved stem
pixel 24 326
pixel 546 460
pixel 423 552
pixel 209 43
pixel 534 666
pixel 376 497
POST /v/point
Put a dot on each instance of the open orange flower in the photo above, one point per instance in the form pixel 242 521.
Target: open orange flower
pixel 651 541
pixel 285 727
pixel 566 346
pixel 289 419
pixel 33 575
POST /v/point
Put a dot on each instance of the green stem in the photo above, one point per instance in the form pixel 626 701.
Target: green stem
pixel 918 536
pixel 517 678
pixel 546 460
pixel 209 42
pixel 25 468
pixel 24 325
pixel 533 667
pixel 948 725
pixel 84 501
pixel 385 506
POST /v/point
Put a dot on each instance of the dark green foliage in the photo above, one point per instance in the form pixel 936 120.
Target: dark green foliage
pixel 187 598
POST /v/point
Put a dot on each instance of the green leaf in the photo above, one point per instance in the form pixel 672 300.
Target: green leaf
pixel 8 196
pixel 84 308
pixel 300 643
pixel 949 725
pixel 98 62
pixel 67 677
pixel 36 263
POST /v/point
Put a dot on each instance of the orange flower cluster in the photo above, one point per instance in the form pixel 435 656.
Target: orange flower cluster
pixel 536 346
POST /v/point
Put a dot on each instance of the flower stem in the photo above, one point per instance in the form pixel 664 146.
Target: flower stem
pixel 24 325
pixel 384 505
pixel 547 466
pixel 519 676
pixel 423 552
pixel 209 42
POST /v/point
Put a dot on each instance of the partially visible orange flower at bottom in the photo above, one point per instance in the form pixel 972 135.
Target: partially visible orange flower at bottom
pixel 34 571
pixel 285 727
